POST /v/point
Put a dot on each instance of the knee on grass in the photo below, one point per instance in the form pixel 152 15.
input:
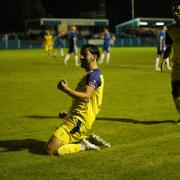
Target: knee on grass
pixel 50 151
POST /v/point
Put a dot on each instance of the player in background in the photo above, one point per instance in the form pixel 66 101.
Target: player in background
pixel 173 41
pixel 48 43
pixel 59 44
pixel 166 60
pixel 87 99
pixel 160 49
pixel 108 39
pixel 72 45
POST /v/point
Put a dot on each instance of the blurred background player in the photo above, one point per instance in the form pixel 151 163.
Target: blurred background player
pixel 72 45
pixel 165 61
pixel 109 39
pixel 48 43
pixel 59 44
pixel 161 48
pixel 173 40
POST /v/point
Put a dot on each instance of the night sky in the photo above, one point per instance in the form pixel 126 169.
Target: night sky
pixel 14 13
pixel 117 11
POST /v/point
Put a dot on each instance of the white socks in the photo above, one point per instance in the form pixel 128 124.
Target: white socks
pixel 157 63
pixel 67 58
pixel 62 52
pixel 76 60
pixel 167 63
pixel 107 57
pixel 102 58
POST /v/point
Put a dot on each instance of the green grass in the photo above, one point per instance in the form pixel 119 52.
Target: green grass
pixel 137 118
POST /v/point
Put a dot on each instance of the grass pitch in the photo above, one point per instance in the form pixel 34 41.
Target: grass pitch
pixel 137 118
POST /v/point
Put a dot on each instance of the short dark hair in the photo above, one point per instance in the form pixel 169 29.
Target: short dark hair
pixel 93 49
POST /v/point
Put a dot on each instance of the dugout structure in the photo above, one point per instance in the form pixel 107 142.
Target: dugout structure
pixel 141 31
pixel 77 22
pixel 86 27
pixel 143 22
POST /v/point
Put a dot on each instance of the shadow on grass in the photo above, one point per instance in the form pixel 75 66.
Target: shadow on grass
pixel 41 117
pixel 34 146
pixel 125 120
pixel 134 121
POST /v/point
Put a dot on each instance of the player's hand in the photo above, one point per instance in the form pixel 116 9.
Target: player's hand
pixel 161 51
pixel 62 85
pixel 63 115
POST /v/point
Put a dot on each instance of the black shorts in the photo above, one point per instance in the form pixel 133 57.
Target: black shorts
pixel 167 52
pixel 159 52
pixel 175 89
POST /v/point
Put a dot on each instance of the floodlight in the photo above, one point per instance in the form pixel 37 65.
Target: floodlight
pixel 143 23
pixel 159 23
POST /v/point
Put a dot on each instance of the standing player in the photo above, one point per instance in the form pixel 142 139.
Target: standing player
pixel 72 45
pixel 59 44
pixel 161 48
pixel 48 43
pixel 173 40
pixel 166 60
pixel 87 100
pixel 109 39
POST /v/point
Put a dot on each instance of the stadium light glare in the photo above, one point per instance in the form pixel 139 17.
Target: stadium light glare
pixel 159 23
pixel 143 23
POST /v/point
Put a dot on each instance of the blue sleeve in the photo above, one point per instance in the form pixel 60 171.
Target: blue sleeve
pixel 74 36
pixel 161 34
pixel 93 79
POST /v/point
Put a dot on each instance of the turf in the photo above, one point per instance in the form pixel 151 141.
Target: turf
pixel 137 117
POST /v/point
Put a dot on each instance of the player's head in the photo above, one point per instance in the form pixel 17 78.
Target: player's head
pixel 106 30
pixel 164 28
pixel 48 32
pixel 176 10
pixel 89 55
pixel 73 28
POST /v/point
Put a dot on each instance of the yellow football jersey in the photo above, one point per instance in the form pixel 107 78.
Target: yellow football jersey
pixel 87 112
pixel 48 40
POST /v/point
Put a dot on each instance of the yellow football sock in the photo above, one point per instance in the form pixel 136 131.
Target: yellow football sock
pixel 69 148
